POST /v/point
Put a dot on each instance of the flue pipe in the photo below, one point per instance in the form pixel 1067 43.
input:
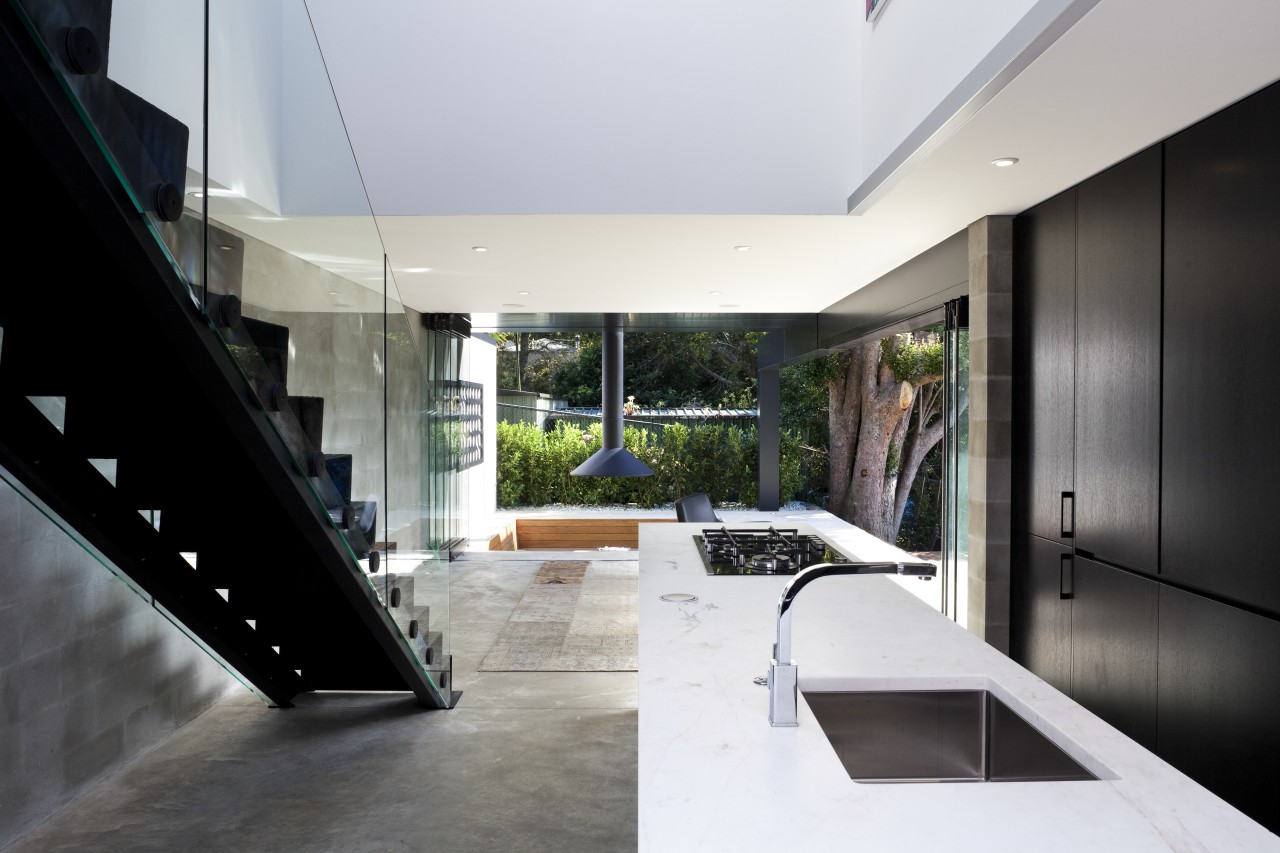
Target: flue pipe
pixel 612 459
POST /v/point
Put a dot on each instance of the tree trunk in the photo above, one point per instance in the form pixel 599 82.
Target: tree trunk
pixel 522 358
pixel 877 446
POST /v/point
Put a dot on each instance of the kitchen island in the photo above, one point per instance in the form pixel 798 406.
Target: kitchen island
pixel 715 775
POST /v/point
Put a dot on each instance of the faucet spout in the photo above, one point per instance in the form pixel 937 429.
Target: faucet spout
pixel 783 673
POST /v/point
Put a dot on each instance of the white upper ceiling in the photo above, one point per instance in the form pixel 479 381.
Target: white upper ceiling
pixel 559 159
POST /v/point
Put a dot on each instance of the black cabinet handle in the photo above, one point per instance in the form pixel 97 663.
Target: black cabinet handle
pixel 1066 577
pixel 1068 514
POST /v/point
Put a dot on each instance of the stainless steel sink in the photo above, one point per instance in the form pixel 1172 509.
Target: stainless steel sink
pixel 938 736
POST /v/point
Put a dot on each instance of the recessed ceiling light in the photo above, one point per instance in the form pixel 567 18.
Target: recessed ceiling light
pixel 730 305
pixel 415 269
pixel 512 305
pixel 522 293
pixel 225 247
pixel 742 248
pixel 1003 162
pixel 333 293
pixel 479 248
pixel 714 292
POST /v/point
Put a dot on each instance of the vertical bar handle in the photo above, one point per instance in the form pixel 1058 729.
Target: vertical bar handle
pixel 1068 515
pixel 1066 577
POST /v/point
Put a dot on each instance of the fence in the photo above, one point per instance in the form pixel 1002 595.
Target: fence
pixel 654 419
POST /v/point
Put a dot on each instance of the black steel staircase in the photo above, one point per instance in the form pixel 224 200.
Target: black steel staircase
pixel 164 434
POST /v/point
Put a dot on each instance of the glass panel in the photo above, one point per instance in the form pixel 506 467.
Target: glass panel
pixel 316 341
pixel 416 582
pixel 955 544
pixel 920 528
pixel 298 259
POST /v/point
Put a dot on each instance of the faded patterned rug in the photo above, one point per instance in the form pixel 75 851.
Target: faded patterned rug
pixel 576 616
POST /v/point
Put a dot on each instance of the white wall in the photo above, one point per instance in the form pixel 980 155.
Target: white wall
pixel 480 364
pixel 566 106
pixel 913 55
pixel 318 174
pixel 579 106
pixel 921 63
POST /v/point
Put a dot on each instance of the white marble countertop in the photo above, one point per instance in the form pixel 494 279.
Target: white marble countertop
pixel 714 775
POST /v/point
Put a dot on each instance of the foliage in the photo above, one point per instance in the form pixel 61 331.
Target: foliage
pixel 913 358
pixel 528 362
pixel 804 414
pixel 697 369
pixel 534 466
pixel 922 519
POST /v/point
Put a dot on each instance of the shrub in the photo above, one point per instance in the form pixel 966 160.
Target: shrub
pixel 534 467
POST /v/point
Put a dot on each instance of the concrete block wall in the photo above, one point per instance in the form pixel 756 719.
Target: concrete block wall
pixel 90 674
pixel 990 426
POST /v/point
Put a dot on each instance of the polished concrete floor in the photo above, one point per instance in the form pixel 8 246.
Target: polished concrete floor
pixel 525 762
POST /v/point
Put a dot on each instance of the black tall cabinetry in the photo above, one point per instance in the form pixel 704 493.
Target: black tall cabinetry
pixel 1218 700
pixel 1114 621
pixel 1087 264
pixel 1043 642
pixel 1222 302
pixel 1117 375
pixel 1145 303
pixel 1045 259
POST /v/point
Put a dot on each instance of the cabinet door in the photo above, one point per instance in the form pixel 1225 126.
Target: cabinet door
pixel 1044 390
pixel 1117 427
pixel 1222 300
pixel 1220 700
pixel 1114 619
pixel 1041 629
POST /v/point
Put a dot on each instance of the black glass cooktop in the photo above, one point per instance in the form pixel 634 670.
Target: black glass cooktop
pixel 762 551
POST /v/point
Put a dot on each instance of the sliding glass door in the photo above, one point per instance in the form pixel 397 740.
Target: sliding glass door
pixel 955 451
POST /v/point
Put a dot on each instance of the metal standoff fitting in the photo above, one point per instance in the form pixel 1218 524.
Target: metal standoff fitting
pixel 224 309
pixel 166 201
pixel 81 50
pixel 275 396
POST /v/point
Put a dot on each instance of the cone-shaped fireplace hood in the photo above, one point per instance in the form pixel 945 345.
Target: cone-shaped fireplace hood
pixel 612 459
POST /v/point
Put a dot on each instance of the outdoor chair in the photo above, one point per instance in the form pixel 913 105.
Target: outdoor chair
pixel 695 507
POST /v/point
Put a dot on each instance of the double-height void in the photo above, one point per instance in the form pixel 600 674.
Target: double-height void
pixel 253 382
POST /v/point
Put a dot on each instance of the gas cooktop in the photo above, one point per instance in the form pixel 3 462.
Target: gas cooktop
pixel 763 552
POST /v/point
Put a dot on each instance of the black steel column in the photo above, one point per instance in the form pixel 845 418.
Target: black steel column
pixel 611 381
pixel 769 398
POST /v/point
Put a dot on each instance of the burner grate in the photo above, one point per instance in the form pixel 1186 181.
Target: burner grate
pixel 771 551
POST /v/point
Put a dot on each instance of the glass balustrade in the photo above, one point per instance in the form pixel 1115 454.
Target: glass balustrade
pixel 219 119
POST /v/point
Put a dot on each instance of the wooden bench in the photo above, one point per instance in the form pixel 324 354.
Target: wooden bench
pixel 571 534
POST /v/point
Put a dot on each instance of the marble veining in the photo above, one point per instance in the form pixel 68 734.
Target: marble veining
pixel 714 775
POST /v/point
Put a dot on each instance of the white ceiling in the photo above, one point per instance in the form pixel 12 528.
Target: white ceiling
pixel 1128 74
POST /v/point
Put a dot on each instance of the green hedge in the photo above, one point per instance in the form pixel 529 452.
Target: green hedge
pixel 534 466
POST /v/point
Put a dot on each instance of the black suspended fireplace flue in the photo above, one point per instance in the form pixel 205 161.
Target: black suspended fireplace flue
pixel 612 459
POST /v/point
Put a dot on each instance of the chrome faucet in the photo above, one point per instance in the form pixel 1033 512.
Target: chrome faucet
pixel 783 680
